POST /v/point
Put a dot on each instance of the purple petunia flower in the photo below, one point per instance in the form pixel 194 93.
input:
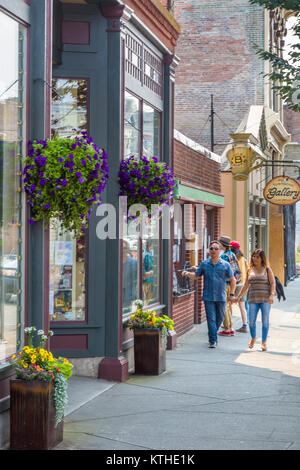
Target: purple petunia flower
pixel 60 159
pixel 83 162
pixel 47 206
pixel 81 180
pixel 78 174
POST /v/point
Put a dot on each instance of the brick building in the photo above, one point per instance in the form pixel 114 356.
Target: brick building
pixel 292 152
pixel 199 201
pixel 292 123
pixel 218 57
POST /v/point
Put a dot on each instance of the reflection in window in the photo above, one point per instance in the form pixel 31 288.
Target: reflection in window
pixel 151 263
pixel 141 265
pixel 151 131
pixel 132 126
pixel 141 139
pixel 12 112
pixel 130 290
pixel 67 277
pixel 69 106
pixel 183 252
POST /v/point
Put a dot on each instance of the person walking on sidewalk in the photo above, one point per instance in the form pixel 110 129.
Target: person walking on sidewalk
pixel 243 264
pixel 228 256
pixel 261 284
pixel 216 272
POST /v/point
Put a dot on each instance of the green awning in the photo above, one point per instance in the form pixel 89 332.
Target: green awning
pixel 198 195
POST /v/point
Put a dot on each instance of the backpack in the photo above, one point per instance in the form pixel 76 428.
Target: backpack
pixel 232 260
pixel 279 288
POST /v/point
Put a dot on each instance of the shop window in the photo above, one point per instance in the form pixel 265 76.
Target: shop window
pixel 67 290
pixel 183 250
pixel 151 131
pixel 150 263
pixel 69 106
pixel 12 135
pixel 130 272
pixel 142 128
pixel 67 277
pixel 132 126
pixel 251 209
pixel 263 212
pixel 141 258
pixel 141 245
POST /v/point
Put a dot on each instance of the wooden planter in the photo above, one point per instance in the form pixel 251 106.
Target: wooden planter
pixel 33 416
pixel 149 352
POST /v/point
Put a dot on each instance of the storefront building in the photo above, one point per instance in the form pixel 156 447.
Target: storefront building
pixel 196 222
pixel 248 217
pixel 106 67
pixel 220 60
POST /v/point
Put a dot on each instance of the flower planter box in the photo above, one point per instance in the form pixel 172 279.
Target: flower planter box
pixel 33 416
pixel 149 352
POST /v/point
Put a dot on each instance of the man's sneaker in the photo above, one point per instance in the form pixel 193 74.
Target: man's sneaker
pixel 242 330
pixel 212 345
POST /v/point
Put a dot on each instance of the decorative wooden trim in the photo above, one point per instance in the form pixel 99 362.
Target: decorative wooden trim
pixel 111 11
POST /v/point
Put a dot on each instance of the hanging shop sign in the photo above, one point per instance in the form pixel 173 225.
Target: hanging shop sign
pixel 242 161
pixel 282 191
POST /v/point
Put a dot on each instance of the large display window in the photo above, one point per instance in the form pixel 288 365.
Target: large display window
pixel 67 257
pixel 13 39
pixel 141 245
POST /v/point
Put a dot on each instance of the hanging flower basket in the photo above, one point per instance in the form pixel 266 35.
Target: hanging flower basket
pixel 64 178
pixel 146 181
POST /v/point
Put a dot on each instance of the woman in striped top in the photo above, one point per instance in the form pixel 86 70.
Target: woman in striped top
pixel 261 284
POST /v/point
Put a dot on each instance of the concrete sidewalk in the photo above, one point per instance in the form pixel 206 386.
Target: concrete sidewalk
pixel 225 398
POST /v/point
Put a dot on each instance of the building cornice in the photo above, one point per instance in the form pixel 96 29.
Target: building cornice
pixel 157 14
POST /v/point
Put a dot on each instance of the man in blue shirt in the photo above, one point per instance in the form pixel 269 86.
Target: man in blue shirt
pixel 216 272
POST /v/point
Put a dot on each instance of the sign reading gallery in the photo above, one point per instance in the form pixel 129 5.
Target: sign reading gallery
pixel 282 190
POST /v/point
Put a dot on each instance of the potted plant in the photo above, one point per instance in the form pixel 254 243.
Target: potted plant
pixel 150 340
pixel 38 395
pixel 64 178
pixel 146 181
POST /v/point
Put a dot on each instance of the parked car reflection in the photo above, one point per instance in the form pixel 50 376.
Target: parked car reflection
pixel 9 270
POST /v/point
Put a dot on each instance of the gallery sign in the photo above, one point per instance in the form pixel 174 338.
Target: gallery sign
pixel 282 190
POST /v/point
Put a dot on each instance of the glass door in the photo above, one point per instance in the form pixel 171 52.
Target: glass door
pixel 13 40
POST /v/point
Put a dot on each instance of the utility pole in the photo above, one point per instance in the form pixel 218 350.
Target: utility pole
pixel 212 112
